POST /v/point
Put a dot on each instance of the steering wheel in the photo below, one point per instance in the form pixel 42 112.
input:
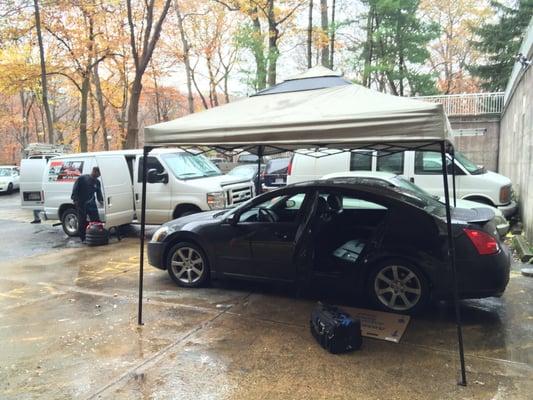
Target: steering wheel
pixel 266 215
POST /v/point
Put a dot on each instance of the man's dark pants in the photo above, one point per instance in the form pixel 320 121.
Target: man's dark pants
pixel 85 210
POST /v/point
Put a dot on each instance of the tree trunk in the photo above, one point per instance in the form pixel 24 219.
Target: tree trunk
pixel 260 62
pixel 324 52
pixel 332 35
pixel 101 106
pixel 130 141
pixel 44 82
pixel 273 51
pixel 310 36
pixel 83 112
pixel 157 99
pixel 368 48
pixel 186 57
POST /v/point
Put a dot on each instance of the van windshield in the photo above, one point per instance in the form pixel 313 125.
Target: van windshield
pixel 469 165
pixel 190 166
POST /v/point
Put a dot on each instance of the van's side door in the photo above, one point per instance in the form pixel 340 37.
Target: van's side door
pixel 158 195
pixel 116 189
pixel 426 172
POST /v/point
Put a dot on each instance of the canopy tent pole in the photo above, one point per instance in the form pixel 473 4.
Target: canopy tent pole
pixel 451 257
pixel 146 150
pixel 453 179
pixel 260 150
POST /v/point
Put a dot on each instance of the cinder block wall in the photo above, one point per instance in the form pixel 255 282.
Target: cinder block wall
pixel 483 150
pixel 516 146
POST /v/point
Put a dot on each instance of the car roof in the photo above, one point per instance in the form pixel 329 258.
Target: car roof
pixel 361 174
pixel 360 185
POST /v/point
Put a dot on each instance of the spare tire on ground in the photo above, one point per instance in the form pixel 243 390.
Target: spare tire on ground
pixel 96 234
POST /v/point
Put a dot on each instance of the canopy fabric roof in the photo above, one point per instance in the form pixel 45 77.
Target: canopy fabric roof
pixel 345 116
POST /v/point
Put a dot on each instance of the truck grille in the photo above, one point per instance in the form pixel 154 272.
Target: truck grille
pixel 238 195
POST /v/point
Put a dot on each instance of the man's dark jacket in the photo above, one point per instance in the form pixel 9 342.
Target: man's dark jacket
pixel 84 189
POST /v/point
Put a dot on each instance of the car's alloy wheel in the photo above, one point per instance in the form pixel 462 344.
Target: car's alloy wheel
pixel 70 222
pixel 187 265
pixel 398 287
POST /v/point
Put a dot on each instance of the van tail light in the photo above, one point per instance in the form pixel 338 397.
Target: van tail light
pixel 484 243
pixel 289 167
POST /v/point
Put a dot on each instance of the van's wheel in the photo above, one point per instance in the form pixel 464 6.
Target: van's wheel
pixel 397 286
pixel 185 210
pixel 70 222
pixel 187 265
pixel 10 188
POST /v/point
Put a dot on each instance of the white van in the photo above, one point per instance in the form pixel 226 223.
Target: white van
pixel 179 183
pixel 424 168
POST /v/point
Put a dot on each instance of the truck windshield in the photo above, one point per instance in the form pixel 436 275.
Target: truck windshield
pixel 190 166
pixel 469 165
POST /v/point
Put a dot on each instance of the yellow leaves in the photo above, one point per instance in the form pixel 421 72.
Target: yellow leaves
pixel 18 70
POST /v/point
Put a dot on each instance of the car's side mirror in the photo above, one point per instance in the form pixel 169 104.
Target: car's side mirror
pixel 233 219
pixel 156 177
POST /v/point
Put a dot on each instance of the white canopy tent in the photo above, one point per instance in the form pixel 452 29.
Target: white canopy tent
pixel 317 109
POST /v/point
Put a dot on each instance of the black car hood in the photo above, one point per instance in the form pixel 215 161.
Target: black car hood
pixel 473 215
pixel 179 223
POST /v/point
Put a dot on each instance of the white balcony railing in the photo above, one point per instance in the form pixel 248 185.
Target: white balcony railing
pixel 468 104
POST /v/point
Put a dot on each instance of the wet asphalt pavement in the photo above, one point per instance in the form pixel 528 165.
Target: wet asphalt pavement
pixel 68 329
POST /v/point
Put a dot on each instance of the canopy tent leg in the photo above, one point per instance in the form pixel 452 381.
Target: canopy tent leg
pixel 451 256
pixel 260 150
pixel 453 179
pixel 146 150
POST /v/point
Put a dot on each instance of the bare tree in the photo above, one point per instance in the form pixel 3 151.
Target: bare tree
pixel 186 57
pixel 324 52
pixel 141 57
pixel 44 82
pixel 310 36
pixel 332 35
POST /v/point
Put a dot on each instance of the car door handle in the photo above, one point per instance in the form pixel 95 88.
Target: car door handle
pixel 136 196
pixel 109 201
pixel 281 235
pixel 412 180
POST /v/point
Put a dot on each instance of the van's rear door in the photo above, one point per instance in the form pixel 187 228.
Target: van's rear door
pixel 116 189
pixel 31 183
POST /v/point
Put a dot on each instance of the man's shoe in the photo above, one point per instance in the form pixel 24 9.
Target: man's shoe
pixel 35 221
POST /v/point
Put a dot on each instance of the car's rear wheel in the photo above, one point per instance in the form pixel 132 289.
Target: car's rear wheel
pixel 70 222
pixel 187 265
pixel 397 286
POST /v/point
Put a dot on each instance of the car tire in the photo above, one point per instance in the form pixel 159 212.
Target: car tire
pixel 397 286
pixel 70 222
pixel 187 265
pixel 10 188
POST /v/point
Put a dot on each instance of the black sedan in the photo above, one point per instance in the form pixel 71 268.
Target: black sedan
pixel 387 243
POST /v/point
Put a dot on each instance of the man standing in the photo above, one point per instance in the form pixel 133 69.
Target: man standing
pixel 85 187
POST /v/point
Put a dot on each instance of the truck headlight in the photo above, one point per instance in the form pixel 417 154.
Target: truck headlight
pixel 215 200
pixel 160 234
pixel 505 194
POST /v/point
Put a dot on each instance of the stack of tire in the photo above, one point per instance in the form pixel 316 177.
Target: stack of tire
pixel 96 234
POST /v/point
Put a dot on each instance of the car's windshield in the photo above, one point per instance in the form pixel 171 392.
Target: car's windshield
pixel 246 172
pixel 469 165
pixel 6 172
pixel 190 166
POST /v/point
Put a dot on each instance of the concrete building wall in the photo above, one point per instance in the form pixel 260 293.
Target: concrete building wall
pixel 483 148
pixel 516 139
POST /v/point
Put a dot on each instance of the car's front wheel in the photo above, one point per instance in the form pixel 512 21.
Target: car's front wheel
pixel 10 188
pixel 187 265
pixel 397 286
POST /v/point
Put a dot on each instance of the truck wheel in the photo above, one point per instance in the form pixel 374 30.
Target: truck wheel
pixel 10 188
pixel 184 210
pixel 70 222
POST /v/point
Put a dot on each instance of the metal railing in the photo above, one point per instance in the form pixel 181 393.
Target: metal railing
pixel 468 103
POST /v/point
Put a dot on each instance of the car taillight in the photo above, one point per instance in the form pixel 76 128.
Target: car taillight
pixel 483 242
pixel 505 194
pixel 289 167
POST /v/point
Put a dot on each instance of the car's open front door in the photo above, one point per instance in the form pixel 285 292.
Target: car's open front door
pixel 303 256
pixel 116 189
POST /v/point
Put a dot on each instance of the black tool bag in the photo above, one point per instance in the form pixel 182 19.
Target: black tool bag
pixel 335 330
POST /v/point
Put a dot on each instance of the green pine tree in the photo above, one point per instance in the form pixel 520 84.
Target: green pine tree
pixel 395 50
pixel 500 42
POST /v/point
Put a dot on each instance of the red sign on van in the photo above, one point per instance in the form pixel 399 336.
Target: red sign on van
pixel 64 171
